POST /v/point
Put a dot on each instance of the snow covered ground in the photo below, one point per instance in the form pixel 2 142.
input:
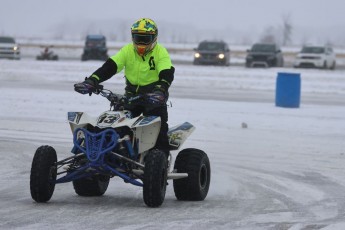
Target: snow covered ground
pixel 286 170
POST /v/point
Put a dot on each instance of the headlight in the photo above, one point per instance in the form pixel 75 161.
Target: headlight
pixel 15 48
pixel 196 55
pixel 221 56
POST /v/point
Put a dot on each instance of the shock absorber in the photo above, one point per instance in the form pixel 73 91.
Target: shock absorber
pixel 125 142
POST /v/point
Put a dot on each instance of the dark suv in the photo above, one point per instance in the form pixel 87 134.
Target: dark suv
pixel 95 48
pixel 212 53
pixel 264 55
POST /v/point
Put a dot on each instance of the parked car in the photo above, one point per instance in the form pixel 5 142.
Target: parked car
pixel 264 55
pixel 95 48
pixel 316 57
pixel 9 48
pixel 212 53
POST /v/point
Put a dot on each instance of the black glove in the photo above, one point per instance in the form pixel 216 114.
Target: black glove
pixel 88 86
pixel 159 96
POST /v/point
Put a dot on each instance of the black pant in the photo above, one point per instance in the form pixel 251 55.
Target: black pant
pixel 162 111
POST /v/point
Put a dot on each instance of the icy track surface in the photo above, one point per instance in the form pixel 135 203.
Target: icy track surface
pixel 286 170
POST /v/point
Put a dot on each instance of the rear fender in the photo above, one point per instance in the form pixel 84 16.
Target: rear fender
pixel 178 134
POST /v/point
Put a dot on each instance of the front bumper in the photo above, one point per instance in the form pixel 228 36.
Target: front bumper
pixel 200 61
pixel 311 63
pixel 211 58
pixel 9 54
pixel 260 62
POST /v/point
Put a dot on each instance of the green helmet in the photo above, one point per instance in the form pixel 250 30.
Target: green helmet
pixel 144 35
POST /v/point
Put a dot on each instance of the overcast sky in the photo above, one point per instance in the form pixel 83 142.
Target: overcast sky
pixel 35 17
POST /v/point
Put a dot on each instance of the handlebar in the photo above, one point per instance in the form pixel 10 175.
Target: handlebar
pixel 112 97
pixel 120 101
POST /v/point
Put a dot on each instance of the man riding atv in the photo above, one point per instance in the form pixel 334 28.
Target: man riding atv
pixel 131 140
pixel 148 70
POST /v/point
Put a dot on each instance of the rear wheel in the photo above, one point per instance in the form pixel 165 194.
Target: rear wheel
pixel 91 186
pixel 43 174
pixel 196 163
pixel 155 178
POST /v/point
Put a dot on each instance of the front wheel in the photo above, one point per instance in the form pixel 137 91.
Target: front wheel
pixel 43 174
pixel 155 178
pixel 196 164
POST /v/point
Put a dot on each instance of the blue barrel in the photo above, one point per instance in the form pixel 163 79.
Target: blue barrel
pixel 288 90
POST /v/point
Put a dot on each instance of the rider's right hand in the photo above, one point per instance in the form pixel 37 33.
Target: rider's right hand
pixel 86 87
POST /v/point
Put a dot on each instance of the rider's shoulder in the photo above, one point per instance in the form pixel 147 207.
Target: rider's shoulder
pixel 128 46
pixel 160 46
pixel 161 50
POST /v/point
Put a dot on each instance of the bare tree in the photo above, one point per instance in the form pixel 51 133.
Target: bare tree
pixel 268 35
pixel 287 29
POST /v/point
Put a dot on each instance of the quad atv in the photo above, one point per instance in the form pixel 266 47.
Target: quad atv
pixel 47 54
pixel 117 144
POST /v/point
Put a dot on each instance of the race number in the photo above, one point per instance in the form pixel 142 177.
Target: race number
pixel 107 119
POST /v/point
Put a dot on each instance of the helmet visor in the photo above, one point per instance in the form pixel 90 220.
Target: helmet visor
pixel 144 39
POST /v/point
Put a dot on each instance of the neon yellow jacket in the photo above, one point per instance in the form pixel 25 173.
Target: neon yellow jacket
pixel 143 74
pixel 145 70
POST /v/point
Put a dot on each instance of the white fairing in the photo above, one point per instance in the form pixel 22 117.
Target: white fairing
pixel 147 133
pixel 178 134
pixel 145 129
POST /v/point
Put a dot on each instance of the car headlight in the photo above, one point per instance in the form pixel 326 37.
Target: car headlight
pixel 15 48
pixel 196 55
pixel 221 56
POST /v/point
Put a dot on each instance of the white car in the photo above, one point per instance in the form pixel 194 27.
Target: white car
pixel 9 48
pixel 316 57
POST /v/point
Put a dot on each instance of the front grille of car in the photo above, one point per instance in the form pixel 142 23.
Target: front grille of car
pixel 259 58
pixel 309 57
pixel 7 50
pixel 209 56
pixel 307 65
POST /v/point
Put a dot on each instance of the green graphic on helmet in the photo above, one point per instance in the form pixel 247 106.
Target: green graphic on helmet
pixel 144 35
pixel 144 25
